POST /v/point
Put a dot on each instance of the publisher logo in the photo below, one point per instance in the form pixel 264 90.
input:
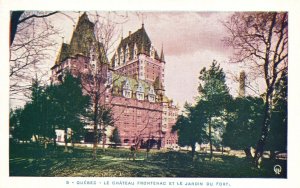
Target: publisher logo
pixel 277 169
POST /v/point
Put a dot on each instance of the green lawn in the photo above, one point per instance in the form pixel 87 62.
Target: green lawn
pixel 28 160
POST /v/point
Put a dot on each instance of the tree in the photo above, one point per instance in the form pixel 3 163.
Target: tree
pixel 115 137
pixel 277 140
pixel 51 107
pixel 242 130
pixel 213 100
pixel 190 128
pixel 260 39
pixel 30 120
pixel 17 130
pixel 71 105
pixel 31 41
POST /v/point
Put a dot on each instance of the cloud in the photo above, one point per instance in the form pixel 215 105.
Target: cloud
pixel 187 32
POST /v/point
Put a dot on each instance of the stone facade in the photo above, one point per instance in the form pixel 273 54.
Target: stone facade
pixel 133 84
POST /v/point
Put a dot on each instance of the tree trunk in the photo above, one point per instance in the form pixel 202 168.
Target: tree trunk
pixel 72 141
pixel 264 132
pixel 272 154
pixel 95 144
pixel 210 141
pixel 15 16
pixel 103 138
pixel 54 139
pixel 248 153
pixel 66 140
pixel 193 150
pixel 54 142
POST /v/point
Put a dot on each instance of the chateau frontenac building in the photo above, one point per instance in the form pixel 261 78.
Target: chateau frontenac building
pixel 133 84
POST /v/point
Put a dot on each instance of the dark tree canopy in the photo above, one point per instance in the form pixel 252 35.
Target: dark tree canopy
pixel 115 137
pixel 243 128
pixel 277 140
pixel 189 128
pixel 51 107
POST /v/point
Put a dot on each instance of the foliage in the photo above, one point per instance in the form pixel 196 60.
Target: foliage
pixel 18 130
pixel 242 130
pixel 213 101
pixel 71 105
pixel 52 107
pixel 115 137
pixel 277 140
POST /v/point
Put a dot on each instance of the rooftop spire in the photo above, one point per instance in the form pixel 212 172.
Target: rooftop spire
pixel 142 20
pixel 122 33
pixel 162 56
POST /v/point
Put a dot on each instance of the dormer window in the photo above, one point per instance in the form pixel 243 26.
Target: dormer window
pixel 140 92
pixel 152 52
pixel 121 57
pixel 127 94
pixel 127 53
pixel 151 94
pixel 127 91
pixel 135 51
pixel 140 96
pixel 151 98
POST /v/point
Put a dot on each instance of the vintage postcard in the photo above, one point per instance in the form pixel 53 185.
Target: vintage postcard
pixel 149 97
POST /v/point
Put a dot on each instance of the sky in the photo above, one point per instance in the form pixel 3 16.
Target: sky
pixel 190 40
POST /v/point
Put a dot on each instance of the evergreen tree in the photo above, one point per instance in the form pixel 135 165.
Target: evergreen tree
pixel 242 130
pixel 189 127
pixel 71 106
pixel 115 137
pixel 17 130
pixel 213 101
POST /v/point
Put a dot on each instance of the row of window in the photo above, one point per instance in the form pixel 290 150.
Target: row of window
pixel 139 95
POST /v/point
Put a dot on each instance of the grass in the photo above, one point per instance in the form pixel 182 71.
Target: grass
pixel 30 160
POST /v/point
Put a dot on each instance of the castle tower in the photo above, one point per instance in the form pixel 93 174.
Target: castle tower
pixel 242 87
pixel 141 58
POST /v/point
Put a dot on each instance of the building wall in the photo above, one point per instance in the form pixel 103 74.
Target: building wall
pixel 136 120
pixel 142 67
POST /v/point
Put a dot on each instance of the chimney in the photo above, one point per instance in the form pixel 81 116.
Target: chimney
pixel 129 34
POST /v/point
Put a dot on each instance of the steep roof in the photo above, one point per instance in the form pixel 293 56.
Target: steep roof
pixel 83 38
pixel 162 56
pixel 119 81
pixel 142 41
pixel 63 53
